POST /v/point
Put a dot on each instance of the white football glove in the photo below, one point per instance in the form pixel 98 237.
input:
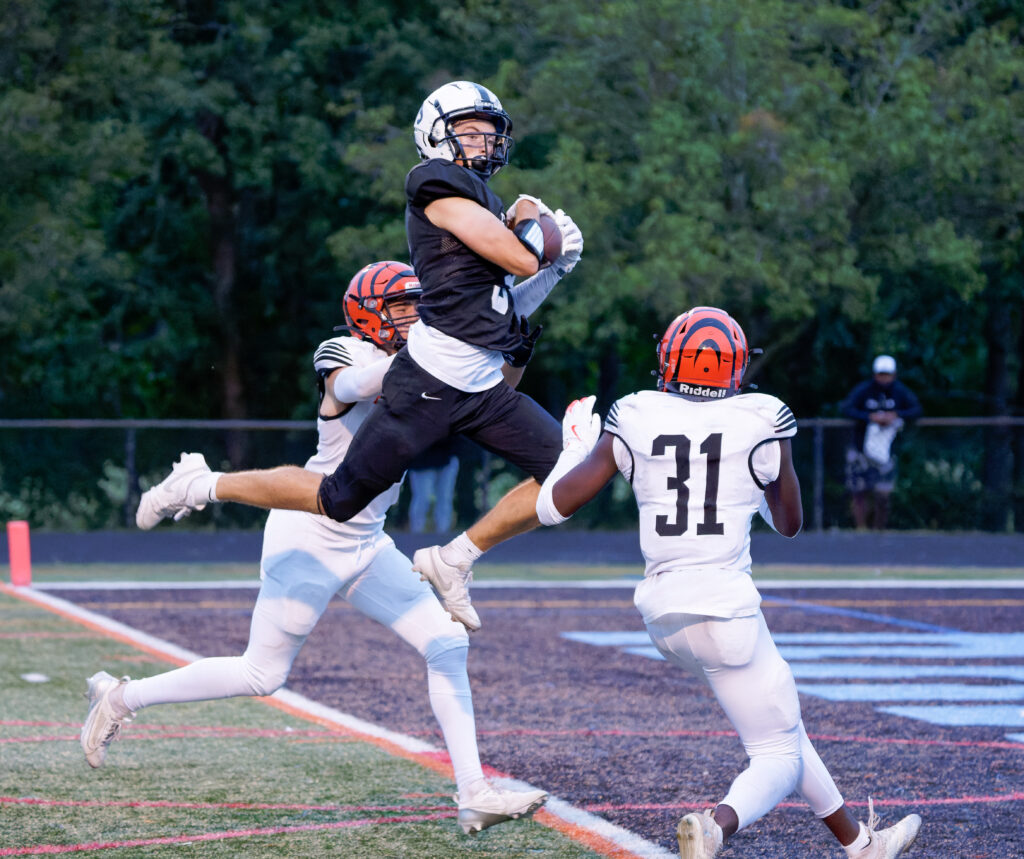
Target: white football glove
pixel 510 215
pixel 572 243
pixel 581 428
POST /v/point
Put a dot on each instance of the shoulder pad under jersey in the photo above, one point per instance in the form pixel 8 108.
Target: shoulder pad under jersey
pixel 343 352
pixel 621 405
pixel 438 178
pixel 777 416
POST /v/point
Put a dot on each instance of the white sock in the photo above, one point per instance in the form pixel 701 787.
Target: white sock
pixel 460 552
pixel 204 680
pixel 860 843
pixel 452 703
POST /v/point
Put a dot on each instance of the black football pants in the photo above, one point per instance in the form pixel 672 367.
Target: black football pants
pixel 417 410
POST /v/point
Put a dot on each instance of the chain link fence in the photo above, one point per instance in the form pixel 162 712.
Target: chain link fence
pixel 955 474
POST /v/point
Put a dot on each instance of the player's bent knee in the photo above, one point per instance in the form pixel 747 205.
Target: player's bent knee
pixel 265 680
pixel 341 496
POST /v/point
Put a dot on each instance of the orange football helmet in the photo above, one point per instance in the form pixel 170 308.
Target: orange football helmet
pixel 368 295
pixel 703 353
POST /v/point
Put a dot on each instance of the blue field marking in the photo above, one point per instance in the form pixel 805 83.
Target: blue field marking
pixel 861 671
pixel 913 692
pixel 994 716
pixel 986 658
pixel 796 646
pixel 610 639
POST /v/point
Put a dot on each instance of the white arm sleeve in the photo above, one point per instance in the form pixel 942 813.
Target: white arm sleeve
pixel 529 294
pixel 546 510
pixel 355 384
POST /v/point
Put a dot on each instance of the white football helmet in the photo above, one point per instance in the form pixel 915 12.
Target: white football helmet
pixel 435 137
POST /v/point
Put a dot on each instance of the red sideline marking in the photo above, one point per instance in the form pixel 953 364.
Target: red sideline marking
pixel 911 803
pixel 338 734
pixel 621 732
pixel 438 762
pixel 242 806
pixel 50 849
pixel 47 635
pixel 156 732
pixel 88 624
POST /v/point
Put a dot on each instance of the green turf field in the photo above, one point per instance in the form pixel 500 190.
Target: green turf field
pixel 225 778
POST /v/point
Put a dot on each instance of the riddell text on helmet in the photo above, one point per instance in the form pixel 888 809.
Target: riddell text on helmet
pixel 699 391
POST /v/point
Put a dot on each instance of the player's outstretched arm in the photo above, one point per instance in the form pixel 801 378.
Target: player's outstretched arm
pixel 783 495
pixel 583 482
pixel 586 465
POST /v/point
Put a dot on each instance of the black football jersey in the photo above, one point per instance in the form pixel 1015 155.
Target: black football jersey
pixel 464 295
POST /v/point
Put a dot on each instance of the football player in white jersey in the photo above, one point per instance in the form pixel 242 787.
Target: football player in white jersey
pixel 702 459
pixel 307 559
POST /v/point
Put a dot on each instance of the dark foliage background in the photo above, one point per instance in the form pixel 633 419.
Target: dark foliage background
pixel 187 185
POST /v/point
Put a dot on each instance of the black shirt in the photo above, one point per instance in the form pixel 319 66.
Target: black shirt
pixel 464 295
pixel 869 396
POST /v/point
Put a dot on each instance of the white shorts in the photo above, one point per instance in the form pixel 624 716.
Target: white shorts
pixel 304 565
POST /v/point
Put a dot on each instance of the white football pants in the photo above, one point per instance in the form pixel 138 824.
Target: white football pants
pixel 304 565
pixel 755 687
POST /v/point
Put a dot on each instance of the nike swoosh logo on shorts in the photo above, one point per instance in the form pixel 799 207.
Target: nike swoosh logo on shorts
pixel 427 396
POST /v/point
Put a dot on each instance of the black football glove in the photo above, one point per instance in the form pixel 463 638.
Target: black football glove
pixel 520 356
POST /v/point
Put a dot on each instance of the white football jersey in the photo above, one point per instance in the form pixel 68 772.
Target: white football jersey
pixel 698 471
pixel 335 433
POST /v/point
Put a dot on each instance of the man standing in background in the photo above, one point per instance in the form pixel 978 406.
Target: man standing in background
pixel 880 405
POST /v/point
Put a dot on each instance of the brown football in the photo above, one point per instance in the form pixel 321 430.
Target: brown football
pixel 552 239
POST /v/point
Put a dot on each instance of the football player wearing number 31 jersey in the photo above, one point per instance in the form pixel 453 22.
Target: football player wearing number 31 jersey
pixel 702 459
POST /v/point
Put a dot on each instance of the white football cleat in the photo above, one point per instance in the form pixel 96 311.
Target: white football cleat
pixel 450 583
pixel 171 496
pixel 890 842
pixel 101 726
pixel 491 805
pixel 699 836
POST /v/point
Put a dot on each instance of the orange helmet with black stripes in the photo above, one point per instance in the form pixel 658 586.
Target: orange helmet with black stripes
pixel 369 299
pixel 703 353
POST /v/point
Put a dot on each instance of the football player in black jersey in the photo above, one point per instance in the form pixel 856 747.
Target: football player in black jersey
pixel 464 356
